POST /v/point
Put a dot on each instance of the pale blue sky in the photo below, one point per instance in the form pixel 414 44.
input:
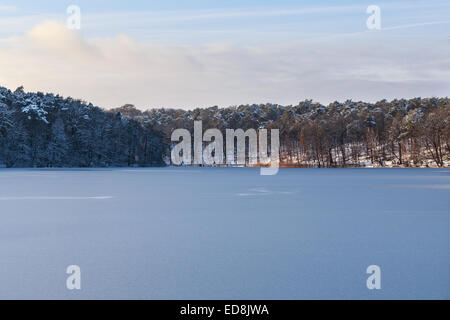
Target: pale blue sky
pixel 201 53
pixel 195 21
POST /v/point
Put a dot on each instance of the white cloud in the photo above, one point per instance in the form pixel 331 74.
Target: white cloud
pixel 114 71
pixel 55 38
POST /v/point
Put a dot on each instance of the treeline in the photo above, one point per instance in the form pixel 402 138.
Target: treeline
pixel 45 130
pixel 401 132
pixel 407 133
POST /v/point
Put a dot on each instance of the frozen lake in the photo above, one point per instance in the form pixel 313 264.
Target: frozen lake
pixel 225 233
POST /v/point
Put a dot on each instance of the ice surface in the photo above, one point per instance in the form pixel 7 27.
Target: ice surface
pixel 225 233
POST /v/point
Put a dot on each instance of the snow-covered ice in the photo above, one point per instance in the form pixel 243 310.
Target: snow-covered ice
pixel 224 233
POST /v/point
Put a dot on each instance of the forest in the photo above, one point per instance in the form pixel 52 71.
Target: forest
pixel 47 130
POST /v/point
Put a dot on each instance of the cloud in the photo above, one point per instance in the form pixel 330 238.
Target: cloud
pixel 56 38
pixel 113 71
pixel 251 12
pixel 415 25
pixel 213 14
